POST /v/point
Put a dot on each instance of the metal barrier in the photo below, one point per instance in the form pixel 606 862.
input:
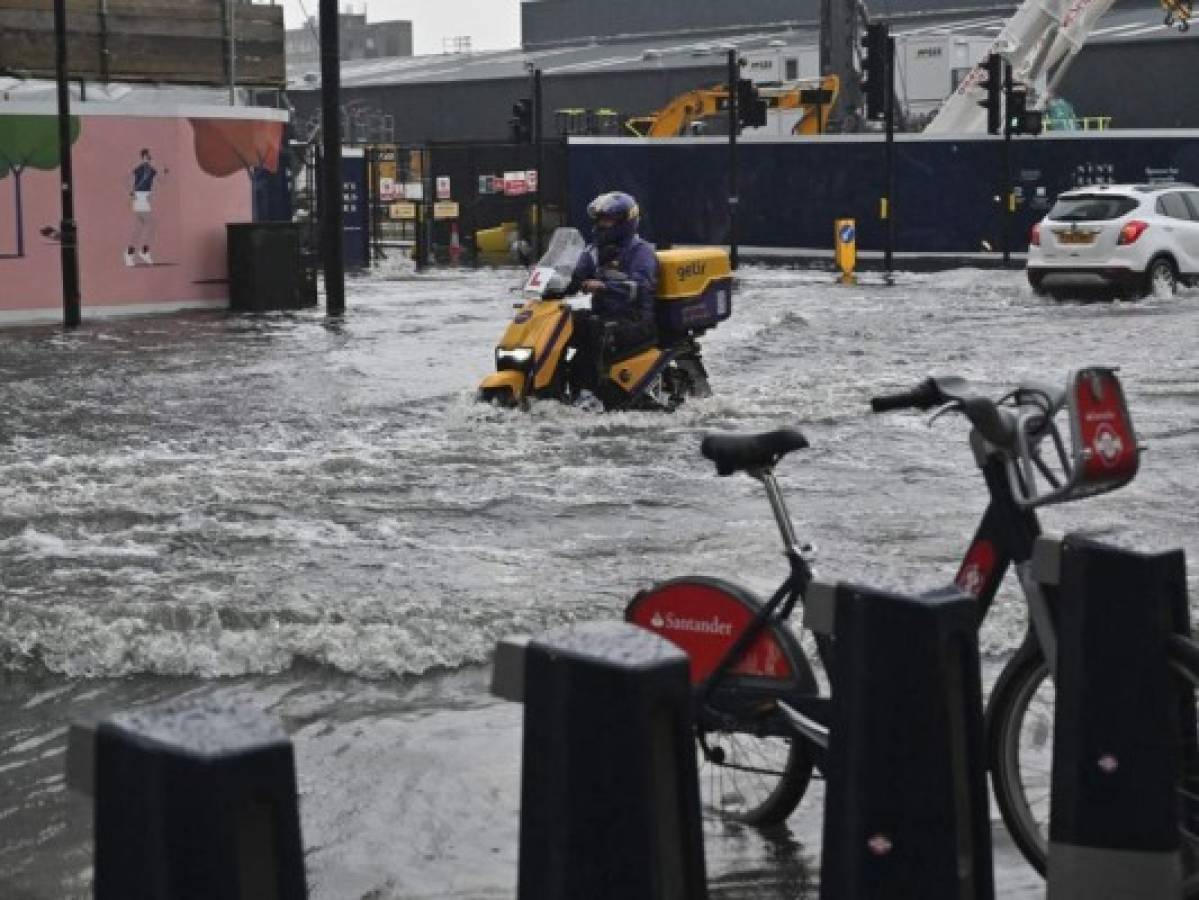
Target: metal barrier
pixel 193 801
pixel 609 795
pixel 1114 830
pixel 905 810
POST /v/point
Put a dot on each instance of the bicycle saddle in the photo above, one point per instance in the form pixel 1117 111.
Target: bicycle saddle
pixel 745 452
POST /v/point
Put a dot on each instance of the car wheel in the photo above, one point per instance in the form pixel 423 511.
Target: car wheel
pixel 1161 279
pixel 1036 281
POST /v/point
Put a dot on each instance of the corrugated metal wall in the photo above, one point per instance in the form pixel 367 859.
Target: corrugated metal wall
pixel 480 110
pixel 557 21
pixel 1140 84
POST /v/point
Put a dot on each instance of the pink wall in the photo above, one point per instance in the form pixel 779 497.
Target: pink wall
pixel 189 207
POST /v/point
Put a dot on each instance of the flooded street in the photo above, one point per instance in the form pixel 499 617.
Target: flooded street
pixel 318 519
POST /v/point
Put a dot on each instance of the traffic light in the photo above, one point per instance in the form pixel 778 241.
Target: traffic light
pixel 751 109
pixel 1021 119
pixel 874 68
pixel 521 122
pixel 994 86
pixel 1016 106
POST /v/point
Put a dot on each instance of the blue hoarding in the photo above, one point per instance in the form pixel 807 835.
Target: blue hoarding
pixel 354 209
pixel 948 192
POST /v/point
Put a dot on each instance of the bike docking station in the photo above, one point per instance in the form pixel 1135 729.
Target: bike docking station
pixel 192 801
pixel 1124 723
pixel 905 806
pixel 609 792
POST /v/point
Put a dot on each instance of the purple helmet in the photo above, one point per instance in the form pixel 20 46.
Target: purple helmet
pixel 623 212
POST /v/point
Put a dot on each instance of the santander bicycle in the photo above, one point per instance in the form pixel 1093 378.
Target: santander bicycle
pixel 761 717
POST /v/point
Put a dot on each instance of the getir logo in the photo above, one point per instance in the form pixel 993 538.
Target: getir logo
pixel 671 622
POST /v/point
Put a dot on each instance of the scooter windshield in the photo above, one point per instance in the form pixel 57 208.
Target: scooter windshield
pixel 552 273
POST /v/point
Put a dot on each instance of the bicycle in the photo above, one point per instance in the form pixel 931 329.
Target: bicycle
pixel 761 720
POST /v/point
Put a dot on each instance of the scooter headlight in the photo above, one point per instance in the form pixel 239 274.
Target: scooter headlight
pixel 519 359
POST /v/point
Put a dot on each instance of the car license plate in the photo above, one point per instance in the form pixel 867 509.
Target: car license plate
pixel 1076 237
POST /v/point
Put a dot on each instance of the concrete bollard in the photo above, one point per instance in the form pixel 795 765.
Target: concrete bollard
pixel 609 795
pixel 193 801
pixel 905 811
pixel 1118 720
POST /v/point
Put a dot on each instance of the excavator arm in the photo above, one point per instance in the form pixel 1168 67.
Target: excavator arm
pixel 675 117
pixel 813 99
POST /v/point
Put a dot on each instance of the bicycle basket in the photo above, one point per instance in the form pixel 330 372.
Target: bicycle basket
pixel 1101 455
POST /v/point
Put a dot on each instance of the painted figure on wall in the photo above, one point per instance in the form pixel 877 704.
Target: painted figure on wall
pixel 27 142
pixel 140 192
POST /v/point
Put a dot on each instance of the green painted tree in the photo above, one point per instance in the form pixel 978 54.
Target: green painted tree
pixel 29 142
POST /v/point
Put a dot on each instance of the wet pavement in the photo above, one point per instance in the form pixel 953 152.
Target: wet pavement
pixel 317 519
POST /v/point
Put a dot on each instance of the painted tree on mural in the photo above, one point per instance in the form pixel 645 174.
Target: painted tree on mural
pixel 226 146
pixel 28 142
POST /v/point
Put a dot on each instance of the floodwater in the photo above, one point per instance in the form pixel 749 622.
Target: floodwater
pixel 316 518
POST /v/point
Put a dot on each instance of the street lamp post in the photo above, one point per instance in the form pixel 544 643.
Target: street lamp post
pixel 331 215
pixel 68 237
pixel 734 126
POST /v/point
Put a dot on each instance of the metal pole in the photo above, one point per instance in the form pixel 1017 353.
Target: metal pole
pixel 539 156
pixel 372 226
pixel 68 237
pixel 229 28
pixel 332 219
pixel 888 253
pixel 427 194
pixel 734 126
pixel 1007 166
pixel 420 257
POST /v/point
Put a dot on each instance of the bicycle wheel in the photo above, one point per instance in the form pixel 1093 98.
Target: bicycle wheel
pixel 757 780
pixel 1020 756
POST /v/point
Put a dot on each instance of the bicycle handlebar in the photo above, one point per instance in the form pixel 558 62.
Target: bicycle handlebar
pixel 994 422
pixel 925 396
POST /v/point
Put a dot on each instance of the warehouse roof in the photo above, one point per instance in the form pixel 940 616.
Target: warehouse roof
pixel 686 50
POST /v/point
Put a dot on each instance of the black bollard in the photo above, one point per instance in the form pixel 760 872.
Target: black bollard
pixel 905 812
pixel 1119 717
pixel 196 801
pixel 609 795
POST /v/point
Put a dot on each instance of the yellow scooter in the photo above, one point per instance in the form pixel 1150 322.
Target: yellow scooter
pixel 534 354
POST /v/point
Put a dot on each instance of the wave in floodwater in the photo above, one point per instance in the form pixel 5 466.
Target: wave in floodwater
pixel 212 495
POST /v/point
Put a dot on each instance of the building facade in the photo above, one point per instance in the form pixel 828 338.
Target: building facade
pixel 359 39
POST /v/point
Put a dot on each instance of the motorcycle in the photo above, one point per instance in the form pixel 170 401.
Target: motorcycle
pixel 533 358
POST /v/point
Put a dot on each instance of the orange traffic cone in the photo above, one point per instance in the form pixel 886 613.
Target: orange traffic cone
pixel 455 243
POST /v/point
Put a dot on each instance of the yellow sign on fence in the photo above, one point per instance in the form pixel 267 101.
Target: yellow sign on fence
pixel 402 210
pixel 445 209
pixel 845 247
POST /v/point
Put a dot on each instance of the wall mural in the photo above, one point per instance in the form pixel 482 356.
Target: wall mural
pixel 27 142
pixel 152 197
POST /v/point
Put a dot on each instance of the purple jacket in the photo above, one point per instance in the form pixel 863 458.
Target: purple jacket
pixel 631 280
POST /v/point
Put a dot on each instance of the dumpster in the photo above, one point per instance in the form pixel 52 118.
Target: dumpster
pixel 268 269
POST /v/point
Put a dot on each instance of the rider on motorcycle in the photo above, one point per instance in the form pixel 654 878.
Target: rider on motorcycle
pixel 620 272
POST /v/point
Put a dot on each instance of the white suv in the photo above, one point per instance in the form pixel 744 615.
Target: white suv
pixel 1129 239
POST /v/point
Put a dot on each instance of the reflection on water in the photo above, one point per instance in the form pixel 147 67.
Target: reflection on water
pixel 317 518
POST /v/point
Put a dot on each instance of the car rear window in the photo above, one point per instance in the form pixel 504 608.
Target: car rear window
pixel 1091 208
pixel 1173 205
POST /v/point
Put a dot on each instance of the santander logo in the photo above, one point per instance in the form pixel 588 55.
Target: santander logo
pixel 671 622
pixel 1108 445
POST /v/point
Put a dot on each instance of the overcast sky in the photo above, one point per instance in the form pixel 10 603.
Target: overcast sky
pixel 491 24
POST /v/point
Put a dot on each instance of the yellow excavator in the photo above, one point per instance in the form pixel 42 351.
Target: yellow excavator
pixel 805 104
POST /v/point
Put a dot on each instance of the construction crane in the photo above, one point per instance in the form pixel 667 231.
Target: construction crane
pixel 1041 37
pixel 705 110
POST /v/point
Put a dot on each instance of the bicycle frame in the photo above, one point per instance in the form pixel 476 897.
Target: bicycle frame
pixel 1005 537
